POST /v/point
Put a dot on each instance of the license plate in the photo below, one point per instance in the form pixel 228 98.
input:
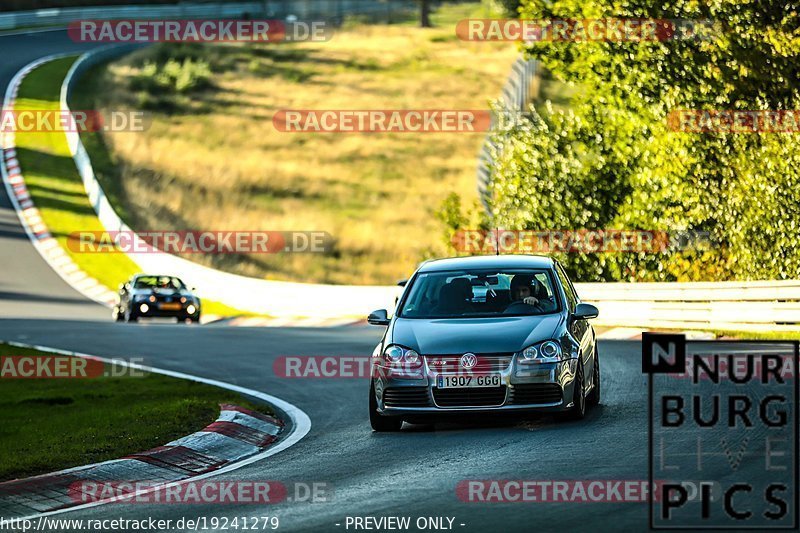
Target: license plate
pixel 484 380
pixel 169 307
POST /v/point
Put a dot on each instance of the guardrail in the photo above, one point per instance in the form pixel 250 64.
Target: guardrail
pixel 730 305
pixel 303 9
pixel 516 95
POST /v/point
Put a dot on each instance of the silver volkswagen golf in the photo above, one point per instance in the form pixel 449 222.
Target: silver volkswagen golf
pixel 484 334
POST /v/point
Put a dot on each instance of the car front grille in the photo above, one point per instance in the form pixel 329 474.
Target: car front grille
pixel 470 396
pixel 486 362
pixel 406 397
pixel 536 393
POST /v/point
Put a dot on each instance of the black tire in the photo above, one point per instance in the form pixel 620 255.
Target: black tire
pixel 379 422
pixel 593 398
pixel 189 319
pixel 578 409
pixel 130 316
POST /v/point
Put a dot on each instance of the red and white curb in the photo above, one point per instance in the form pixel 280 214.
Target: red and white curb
pixel 238 433
pixel 237 438
pixel 29 215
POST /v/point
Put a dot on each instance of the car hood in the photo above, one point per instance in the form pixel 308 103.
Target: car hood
pixel 477 335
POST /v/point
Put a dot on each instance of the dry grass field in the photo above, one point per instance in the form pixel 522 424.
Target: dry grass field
pixel 213 160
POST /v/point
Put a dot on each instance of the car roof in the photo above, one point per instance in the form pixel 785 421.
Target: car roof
pixel 487 261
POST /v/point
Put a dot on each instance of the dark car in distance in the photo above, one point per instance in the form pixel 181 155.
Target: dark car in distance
pixel 483 335
pixel 156 296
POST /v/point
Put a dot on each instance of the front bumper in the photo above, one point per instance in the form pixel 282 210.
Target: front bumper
pixel 153 311
pixel 536 387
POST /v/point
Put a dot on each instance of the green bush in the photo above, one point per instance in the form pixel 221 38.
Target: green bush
pixel 610 161
pixel 173 77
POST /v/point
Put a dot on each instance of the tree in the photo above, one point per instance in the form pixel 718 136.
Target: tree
pixel 612 161
pixel 424 13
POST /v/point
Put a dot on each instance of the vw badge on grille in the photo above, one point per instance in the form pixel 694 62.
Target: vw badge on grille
pixel 468 360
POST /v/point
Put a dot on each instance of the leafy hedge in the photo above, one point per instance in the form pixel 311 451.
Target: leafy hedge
pixel 611 161
pixel 166 76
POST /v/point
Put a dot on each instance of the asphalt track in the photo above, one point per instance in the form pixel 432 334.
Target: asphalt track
pixel 28 286
pixel 413 473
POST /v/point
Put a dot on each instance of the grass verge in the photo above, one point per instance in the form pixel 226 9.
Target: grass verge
pixel 56 187
pixel 212 159
pixel 52 424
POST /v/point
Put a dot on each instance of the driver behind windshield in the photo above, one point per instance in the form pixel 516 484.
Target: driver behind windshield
pixel 167 283
pixel 528 296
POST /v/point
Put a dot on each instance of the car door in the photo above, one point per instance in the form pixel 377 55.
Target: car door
pixel 578 327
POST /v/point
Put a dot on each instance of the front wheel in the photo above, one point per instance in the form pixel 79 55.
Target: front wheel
pixel 379 422
pixel 578 409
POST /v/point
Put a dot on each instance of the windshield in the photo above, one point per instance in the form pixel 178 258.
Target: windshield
pixel 158 282
pixel 480 293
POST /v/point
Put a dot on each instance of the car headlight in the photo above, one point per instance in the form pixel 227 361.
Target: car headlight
pixel 402 362
pixel 550 349
pixel 530 353
pixel 411 357
pixel 393 354
pixel 543 352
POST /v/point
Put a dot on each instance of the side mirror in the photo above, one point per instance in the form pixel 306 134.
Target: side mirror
pixel 586 311
pixel 378 318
